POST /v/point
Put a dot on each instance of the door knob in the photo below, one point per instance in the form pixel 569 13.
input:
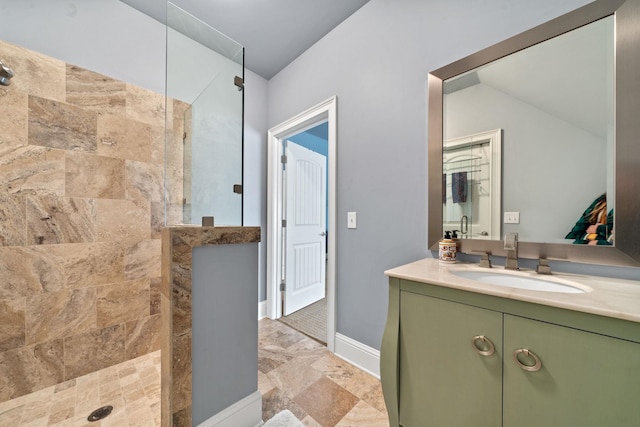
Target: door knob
pixel 324 233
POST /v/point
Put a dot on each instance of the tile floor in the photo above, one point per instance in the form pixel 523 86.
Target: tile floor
pixel 294 372
pixel 132 388
pixel 297 373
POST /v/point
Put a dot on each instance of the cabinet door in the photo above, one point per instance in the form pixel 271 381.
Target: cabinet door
pixel 444 382
pixel 585 380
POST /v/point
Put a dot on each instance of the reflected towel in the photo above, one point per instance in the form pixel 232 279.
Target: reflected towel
pixel 459 187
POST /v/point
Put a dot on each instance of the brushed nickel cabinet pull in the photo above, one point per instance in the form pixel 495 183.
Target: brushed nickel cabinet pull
pixel 528 353
pixel 482 345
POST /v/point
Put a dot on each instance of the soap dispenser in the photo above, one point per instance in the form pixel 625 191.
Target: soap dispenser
pixel 454 237
pixel 448 249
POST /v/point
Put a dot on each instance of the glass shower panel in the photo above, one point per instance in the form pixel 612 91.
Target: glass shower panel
pixel 205 114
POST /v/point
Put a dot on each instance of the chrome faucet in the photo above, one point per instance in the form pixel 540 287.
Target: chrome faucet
pixel 511 245
pixel 543 266
pixel 6 74
pixel 485 261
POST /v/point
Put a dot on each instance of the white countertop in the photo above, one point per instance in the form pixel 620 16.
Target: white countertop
pixel 609 297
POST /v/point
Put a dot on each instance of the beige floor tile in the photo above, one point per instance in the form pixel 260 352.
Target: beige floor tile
pixel 340 395
pixel 326 401
pixel 108 375
pixel 42 396
pixel 294 377
pixel 132 380
pixel 87 394
pixel 127 368
pixel 364 415
pixel 148 370
pixel 275 401
pixel 84 408
pixel 153 390
pixel 117 403
pixel 155 411
pixel 11 416
pixel 13 403
pixel 310 422
pixel 65 386
pixel 87 381
pixel 61 416
pixel 62 410
pixel 117 419
pixel 136 400
pixel 268 326
pixel 301 376
pixel 133 394
pixel 141 416
pixel 37 410
pixel 264 383
pixel 40 422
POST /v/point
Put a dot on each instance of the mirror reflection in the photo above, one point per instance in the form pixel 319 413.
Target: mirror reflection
pixel 471 185
pixel 550 111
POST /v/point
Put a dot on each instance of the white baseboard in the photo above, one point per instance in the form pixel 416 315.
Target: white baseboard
pixel 244 413
pixel 262 309
pixel 358 354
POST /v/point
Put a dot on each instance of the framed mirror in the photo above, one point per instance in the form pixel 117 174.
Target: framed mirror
pixel 564 97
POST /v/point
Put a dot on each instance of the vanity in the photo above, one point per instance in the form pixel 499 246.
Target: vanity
pixel 466 345
pixel 460 352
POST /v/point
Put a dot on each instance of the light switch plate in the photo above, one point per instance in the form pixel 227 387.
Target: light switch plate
pixel 351 220
pixel 512 217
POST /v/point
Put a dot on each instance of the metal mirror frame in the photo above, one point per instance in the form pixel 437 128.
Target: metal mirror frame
pixel 626 249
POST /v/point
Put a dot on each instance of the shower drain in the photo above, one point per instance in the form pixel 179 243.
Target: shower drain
pixel 100 413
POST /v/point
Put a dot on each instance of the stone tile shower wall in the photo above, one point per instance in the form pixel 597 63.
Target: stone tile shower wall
pixel 81 208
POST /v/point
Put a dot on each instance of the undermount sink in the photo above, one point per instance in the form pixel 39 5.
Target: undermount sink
pixel 520 281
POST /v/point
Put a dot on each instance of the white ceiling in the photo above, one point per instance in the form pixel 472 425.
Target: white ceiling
pixel 273 32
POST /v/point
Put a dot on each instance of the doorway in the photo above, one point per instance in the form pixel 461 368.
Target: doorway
pixel 283 278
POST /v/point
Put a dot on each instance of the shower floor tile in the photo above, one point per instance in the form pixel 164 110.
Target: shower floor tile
pixel 132 388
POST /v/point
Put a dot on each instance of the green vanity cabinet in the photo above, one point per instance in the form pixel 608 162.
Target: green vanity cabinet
pixel 441 376
pixel 586 379
pixel 437 370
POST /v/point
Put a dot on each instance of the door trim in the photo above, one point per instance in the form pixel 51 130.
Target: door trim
pixel 324 111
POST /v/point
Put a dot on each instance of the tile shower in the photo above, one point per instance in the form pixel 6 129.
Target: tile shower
pixel 81 207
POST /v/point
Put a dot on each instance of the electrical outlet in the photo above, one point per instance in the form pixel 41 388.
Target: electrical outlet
pixel 512 217
pixel 351 220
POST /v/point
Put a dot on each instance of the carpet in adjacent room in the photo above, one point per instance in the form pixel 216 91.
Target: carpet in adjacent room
pixel 311 320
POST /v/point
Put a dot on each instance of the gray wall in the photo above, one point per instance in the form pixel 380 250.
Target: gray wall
pixel 225 329
pixel 376 62
pixel 105 36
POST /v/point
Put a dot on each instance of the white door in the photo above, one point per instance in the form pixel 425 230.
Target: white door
pixel 305 231
pixel 477 213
